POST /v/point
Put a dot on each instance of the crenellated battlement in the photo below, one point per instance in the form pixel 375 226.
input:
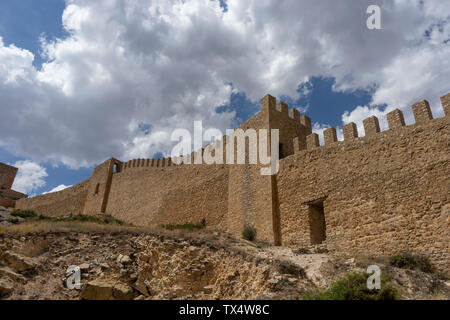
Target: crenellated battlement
pixel 396 121
pixel 270 105
pixel 383 193
pixel 150 163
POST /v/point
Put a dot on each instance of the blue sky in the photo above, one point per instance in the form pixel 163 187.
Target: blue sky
pixel 43 18
pixel 23 22
pixel 86 104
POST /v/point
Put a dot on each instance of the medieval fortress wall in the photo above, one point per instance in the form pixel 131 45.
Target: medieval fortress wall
pixel 61 203
pixel 383 193
pixel 170 195
pixel 388 192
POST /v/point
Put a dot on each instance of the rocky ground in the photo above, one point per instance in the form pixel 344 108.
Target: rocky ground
pixel 128 263
pixel 6 219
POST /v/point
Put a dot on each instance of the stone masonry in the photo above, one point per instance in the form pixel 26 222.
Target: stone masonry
pixel 8 196
pixel 383 193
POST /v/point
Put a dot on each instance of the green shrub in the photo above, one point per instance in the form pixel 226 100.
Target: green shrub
pixel 411 262
pixel 101 219
pixel 249 233
pixel 13 220
pixel 187 226
pixel 25 214
pixel 354 287
pixel 107 219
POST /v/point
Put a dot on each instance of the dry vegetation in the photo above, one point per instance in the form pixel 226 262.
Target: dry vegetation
pixel 199 257
pixel 65 226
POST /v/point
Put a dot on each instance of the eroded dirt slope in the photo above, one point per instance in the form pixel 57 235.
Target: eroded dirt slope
pixel 208 265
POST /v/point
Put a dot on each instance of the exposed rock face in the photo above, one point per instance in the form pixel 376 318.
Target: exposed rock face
pixel 6 287
pixel 5 217
pixel 123 259
pixel 6 272
pixel 19 262
pixel 107 289
pixel 98 290
pixel 122 291
pixel 171 269
pixel 124 266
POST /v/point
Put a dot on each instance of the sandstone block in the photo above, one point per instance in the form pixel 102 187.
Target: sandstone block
pixel 122 291
pixel 99 289
pixel 19 262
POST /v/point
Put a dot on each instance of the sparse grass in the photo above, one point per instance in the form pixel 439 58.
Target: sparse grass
pixel 187 226
pixel 249 233
pixel 99 218
pixel 50 226
pixel 411 262
pixel 78 223
pixel 25 214
pixel 42 217
pixel 354 287
pixel 95 224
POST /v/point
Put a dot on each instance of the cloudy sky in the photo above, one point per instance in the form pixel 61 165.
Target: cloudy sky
pixel 82 80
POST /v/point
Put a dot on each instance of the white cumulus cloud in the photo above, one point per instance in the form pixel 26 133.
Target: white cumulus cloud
pixel 30 176
pixel 58 188
pixel 161 64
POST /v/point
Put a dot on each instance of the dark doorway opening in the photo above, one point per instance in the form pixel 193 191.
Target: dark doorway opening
pixel 317 223
pixel 280 151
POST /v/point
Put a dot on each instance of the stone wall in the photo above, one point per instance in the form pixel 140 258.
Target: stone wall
pixel 8 197
pixel 100 185
pixel 7 176
pixel 61 203
pixel 251 195
pixel 384 193
pixel 7 203
pixel 170 195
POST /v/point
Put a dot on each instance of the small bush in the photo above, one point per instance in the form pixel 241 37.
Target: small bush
pixel 97 219
pixel 411 262
pixel 26 214
pixel 13 220
pixel 354 287
pixel 111 220
pixel 249 233
pixel 187 226
pixel 101 219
